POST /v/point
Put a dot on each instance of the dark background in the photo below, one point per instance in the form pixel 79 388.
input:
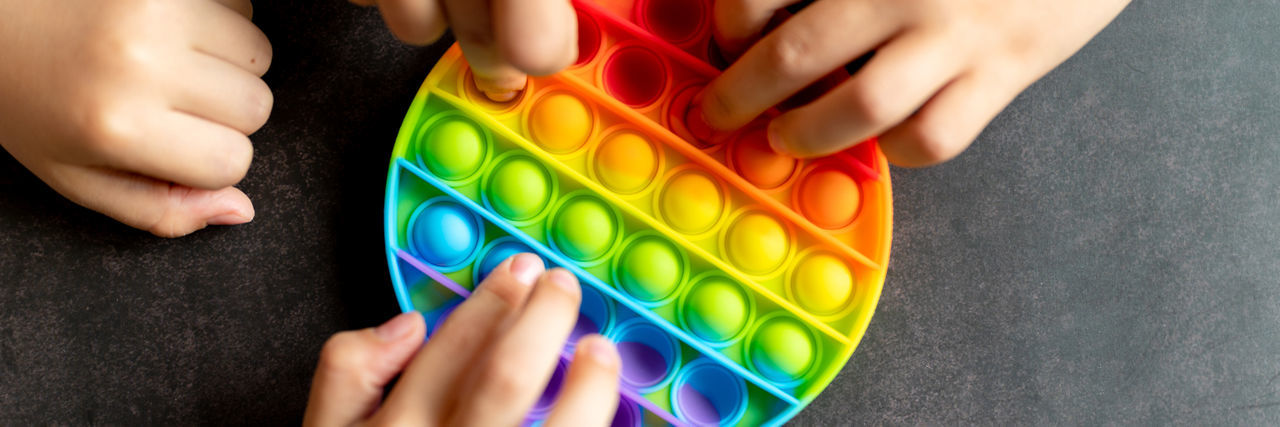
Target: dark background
pixel 1106 252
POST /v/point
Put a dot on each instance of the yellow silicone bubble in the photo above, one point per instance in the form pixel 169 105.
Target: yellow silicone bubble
pixel 757 243
pixel 560 123
pixel 716 309
pixel 453 148
pixel 584 228
pixel 822 283
pixel 626 162
pixel 691 203
pixel 782 349
pixel 650 269
pixel 519 188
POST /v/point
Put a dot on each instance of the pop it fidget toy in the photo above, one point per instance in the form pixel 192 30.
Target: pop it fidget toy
pixel 735 282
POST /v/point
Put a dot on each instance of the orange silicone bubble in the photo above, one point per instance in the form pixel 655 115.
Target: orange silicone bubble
pixel 626 162
pixel 561 122
pixel 752 157
pixel 829 197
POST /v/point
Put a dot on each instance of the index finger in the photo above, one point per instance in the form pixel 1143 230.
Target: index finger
pixel 538 37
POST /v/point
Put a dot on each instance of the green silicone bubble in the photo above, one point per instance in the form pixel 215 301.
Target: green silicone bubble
pixel 650 269
pixel 782 349
pixel 453 148
pixel 519 188
pixel 584 228
pixel 716 309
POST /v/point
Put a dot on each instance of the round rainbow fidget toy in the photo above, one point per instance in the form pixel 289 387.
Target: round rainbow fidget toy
pixel 735 282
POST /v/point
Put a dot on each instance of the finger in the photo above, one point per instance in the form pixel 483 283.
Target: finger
pixel 161 208
pixel 590 393
pixel 212 89
pixel 738 23
pixel 898 80
pixel 539 37
pixel 177 147
pixel 430 383
pixel 223 33
pixel 242 7
pixel 522 361
pixel 820 38
pixel 416 22
pixel 949 122
pixel 356 365
pixel 498 79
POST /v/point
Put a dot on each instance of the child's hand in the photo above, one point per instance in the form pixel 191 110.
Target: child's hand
pixel 138 109
pixel 942 68
pixel 502 39
pixel 485 366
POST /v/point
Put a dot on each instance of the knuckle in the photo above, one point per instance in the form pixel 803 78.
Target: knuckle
pixel 930 144
pixel 871 104
pixel 340 353
pixel 505 381
pixel 107 128
pixel 232 164
pixel 791 55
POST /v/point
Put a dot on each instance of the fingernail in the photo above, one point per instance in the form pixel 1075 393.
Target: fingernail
pixel 563 278
pixel 397 327
pixel 229 218
pixel 502 96
pixel 602 351
pixel 775 142
pixel 526 268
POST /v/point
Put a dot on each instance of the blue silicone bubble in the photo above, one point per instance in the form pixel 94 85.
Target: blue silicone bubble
pixel 707 394
pixel 444 233
pixel 649 354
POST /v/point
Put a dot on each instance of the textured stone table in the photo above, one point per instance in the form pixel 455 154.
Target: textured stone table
pixel 1108 251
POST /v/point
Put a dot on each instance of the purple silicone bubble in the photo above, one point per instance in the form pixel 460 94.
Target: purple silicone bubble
pixel 707 394
pixel 593 315
pixel 627 415
pixel 543 406
pixel 648 354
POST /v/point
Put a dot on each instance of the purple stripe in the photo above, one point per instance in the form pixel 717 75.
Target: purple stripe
pixel 433 274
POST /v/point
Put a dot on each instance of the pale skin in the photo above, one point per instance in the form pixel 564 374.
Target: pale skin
pixel 485 366
pixel 139 109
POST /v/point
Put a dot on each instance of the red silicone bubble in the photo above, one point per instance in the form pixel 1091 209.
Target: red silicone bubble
pixel 588 38
pixel 635 75
pixel 676 21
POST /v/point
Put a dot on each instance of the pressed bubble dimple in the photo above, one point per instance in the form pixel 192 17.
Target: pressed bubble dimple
pixel 830 198
pixel 822 283
pixel 626 162
pixel 716 309
pixel 674 20
pixel 635 76
pixel 519 188
pixel 560 123
pixel 708 394
pixel 691 202
pixel 782 349
pixel 453 148
pixel 650 268
pixel 757 243
pixel 756 161
pixel 588 38
pixel 445 234
pixel 584 228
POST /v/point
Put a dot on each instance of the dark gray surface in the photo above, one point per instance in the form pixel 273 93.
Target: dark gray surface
pixel 1105 253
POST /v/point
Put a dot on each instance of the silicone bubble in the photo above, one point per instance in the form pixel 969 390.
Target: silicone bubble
pixel 444 233
pixel 560 122
pixel 829 197
pixel 707 394
pixel 635 75
pixel 627 415
pixel 650 268
pixel 584 228
pixel 822 283
pixel 626 162
pixel 755 160
pixel 588 38
pixel 757 243
pixel 547 400
pixel 649 355
pixel 691 202
pixel 782 349
pixel 453 147
pixel 716 309
pixel 594 315
pixel 519 188
pixel 677 21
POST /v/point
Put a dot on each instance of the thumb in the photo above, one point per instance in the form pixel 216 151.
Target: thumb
pixel 356 365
